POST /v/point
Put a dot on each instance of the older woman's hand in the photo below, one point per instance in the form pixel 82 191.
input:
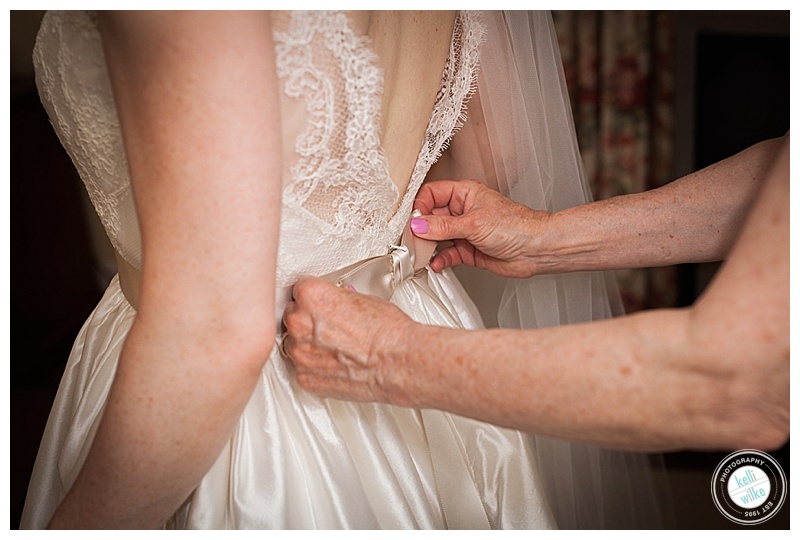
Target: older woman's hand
pixel 344 344
pixel 488 230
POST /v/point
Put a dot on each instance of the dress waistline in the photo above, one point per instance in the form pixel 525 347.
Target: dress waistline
pixel 129 281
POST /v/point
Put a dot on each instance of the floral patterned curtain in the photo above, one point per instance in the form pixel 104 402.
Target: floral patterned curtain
pixel 618 66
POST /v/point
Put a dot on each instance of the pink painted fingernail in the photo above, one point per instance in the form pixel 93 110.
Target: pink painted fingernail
pixel 419 225
pixel 351 288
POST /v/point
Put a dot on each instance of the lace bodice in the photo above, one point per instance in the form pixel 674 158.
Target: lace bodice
pixel 339 202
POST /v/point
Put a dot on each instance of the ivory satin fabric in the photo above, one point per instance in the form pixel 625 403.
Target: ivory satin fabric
pixel 297 461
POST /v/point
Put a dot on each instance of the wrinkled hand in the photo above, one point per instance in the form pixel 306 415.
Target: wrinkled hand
pixel 488 230
pixel 345 344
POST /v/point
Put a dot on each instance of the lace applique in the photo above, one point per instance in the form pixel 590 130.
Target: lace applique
pixel 340 175
pixel 459 82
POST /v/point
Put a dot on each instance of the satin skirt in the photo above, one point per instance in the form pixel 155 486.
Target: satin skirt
pixel 296 461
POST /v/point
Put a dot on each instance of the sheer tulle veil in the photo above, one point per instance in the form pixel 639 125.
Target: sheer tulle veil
pixel 529 152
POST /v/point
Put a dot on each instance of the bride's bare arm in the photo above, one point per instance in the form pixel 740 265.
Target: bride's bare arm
pixel 715 375
pixel 196 95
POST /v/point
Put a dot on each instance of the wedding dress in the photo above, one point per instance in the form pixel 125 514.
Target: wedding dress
pixel 295 460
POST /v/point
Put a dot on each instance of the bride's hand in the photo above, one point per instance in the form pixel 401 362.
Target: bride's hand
pixel 488 230
pixel 342 343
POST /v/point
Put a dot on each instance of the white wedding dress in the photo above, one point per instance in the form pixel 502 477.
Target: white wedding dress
pixel 293 460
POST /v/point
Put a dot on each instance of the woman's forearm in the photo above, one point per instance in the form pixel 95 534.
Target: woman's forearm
pixel 715 375
pixel 693 219
pixel 603 382
pixel 632 383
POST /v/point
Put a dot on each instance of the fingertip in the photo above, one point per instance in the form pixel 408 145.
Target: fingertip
pixel 438 263
pixel 419 226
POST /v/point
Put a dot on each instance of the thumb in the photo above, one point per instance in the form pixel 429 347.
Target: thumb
pixel 439 227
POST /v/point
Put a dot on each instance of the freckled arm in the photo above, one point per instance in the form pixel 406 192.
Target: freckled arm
pixel 715 375
pixel 695 218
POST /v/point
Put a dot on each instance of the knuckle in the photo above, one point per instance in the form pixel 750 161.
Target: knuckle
pixel 473 184
pixel 475 221
pixel 453 227
pixel 308 290
pixel 441 227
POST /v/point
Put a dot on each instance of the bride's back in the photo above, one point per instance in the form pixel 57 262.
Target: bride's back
pixel 412 47
pixel 368 101
pixel 360 67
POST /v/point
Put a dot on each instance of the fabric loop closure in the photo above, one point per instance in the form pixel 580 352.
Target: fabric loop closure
pixel 381 275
